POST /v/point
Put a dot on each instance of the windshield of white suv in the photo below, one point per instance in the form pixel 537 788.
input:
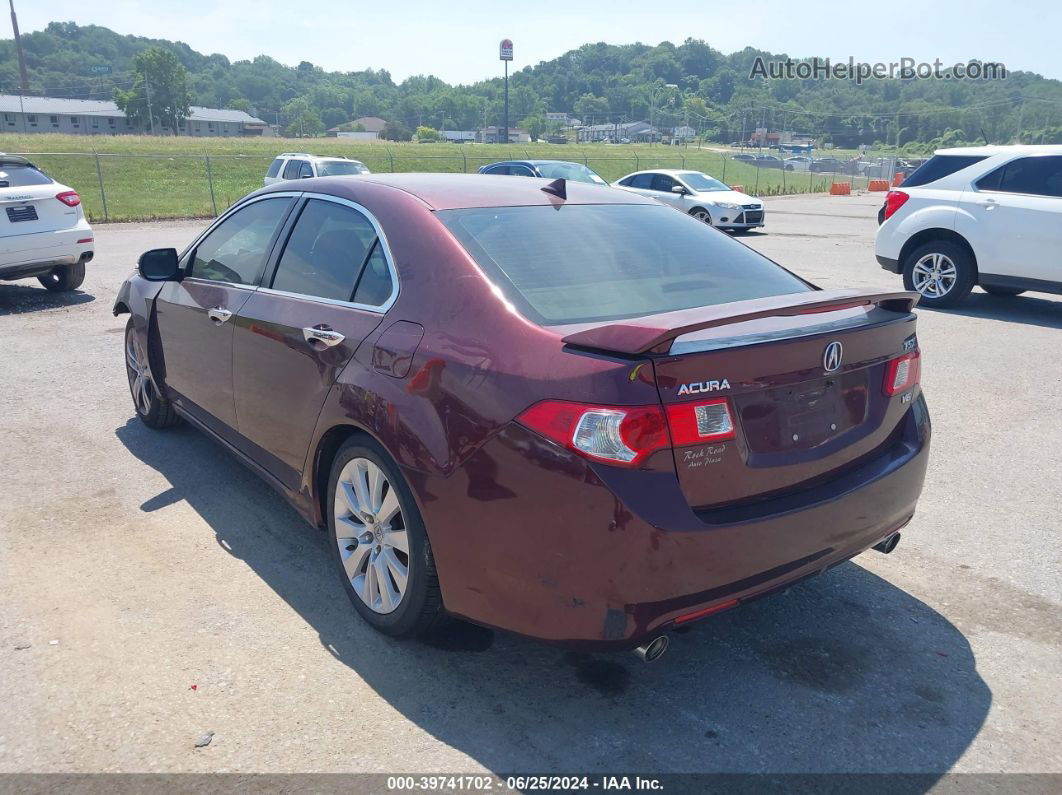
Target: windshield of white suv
pixel 339 168
pixel 702 182
pixel 14 175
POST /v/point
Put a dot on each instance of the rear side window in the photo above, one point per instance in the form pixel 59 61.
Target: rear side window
pixel 274 167
pixel 236 249
pixel 938 167
pixel 291 170
pixel 375 285
pixel 325 251
pixel 582 263
pixel 644 181
pixel 19 176
pixel 1036 176
pixel 503 170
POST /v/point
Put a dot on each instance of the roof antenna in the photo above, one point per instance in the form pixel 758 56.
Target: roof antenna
pixel 558 188
pixel 984 136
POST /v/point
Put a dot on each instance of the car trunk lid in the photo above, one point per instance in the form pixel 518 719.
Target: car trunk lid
pixel 32 209
pixel 798 412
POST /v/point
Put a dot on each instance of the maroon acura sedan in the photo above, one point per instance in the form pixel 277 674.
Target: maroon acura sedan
pixel 559 409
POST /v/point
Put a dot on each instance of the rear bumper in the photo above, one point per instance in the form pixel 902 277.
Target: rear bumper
pixel 546 547
pixel 36 254
pixel 889 264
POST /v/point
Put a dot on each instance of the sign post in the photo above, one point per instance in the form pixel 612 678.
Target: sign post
pixel 505 53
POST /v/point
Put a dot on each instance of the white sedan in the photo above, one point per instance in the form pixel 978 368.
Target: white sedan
pixel 698 194
pixel 43 231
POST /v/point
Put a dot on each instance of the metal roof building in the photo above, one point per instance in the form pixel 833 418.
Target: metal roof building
pixel 101 117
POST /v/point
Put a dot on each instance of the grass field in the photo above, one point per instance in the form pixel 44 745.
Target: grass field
pixel 141 177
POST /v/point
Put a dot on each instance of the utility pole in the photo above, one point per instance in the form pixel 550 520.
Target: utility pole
pixel 22 77
pixel 505 53
pixel 151 115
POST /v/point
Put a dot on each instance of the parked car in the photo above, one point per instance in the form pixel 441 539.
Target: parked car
pixel 985 215
pixel 826 165
pixel 701 196
pixel 798 163
pixel 549 169
pixel 744 157
pixel 43 232
pixel 660 424
pixel 767 161
pixel 299 165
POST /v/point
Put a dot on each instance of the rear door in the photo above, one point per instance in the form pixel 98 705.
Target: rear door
pixel 331 285
pixel 297 168
pixel 194 316
pixel 1017 212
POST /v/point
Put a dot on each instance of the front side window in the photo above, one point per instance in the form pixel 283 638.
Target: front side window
pixel 583 263
pixel 325 251
pixel 1035 176
pixel 663 183
pixel 235 251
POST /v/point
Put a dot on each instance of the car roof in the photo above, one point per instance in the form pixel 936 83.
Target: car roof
pixel 1001 149
pixel 443 191
pixel 317 157
pixel 671 172
pixel 533 162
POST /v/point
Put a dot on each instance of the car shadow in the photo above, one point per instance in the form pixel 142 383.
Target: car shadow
pixel 843 673
pixel 18 298
pixel 1029 309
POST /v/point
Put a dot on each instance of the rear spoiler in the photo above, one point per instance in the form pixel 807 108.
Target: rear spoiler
pixel 655 333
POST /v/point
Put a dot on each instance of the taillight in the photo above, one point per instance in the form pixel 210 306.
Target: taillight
pixel 700 423
pixel 894 200
pixel 69 198
pixel 620 435
pixel 902 373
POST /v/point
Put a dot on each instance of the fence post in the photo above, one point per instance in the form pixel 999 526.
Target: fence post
pixel 637 166
pixel 391 157
pixel 464 161
pixel 756 190
pixel 683 161
pixel 99 176
pixel 723 178
pixel 210 182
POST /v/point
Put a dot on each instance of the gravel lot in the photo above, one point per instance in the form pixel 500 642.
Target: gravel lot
pixel 154 590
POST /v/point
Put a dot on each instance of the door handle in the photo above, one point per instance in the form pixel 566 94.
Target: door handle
pixel 322 334
pixel 218 315
pixel 989 203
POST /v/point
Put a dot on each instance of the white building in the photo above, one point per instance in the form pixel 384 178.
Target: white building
pixel 99 117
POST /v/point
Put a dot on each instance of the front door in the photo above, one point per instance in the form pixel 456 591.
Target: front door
pixel 331 285
pixel 195 315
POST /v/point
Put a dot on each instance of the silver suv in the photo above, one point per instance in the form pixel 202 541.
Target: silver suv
pixel 299 165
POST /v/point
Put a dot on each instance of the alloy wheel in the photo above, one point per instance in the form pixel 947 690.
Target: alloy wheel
pixel 702 215
pixel 140 383
pixel 934 275
pixel 371 535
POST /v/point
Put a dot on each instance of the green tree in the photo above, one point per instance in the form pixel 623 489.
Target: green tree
pixel 159 96
pixel 396 131
pixel 302 120
pixel 536 126
pixel 427 134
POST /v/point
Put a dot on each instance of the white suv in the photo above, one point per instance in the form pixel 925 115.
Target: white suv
pixel 299 165
pixel 43 231
pixel 986 215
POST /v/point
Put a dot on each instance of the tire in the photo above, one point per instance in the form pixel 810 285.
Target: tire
pixel 1002 292
pixel 151 407
pixel 701 214
pixel 788 168
pixel 63 278
pixel 368 551
pixel 942 272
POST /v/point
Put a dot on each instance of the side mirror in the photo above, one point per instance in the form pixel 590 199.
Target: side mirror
pixel 159 265
pixel 678 189
pixel 305 175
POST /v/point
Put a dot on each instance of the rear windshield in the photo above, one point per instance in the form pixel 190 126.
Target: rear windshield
pixel 572 171
pixel 938 167
pixel 18 176
pixel 582 263
pixel 339 168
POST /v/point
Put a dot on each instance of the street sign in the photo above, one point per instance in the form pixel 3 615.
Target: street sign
pixel 100 69
pixel 505 50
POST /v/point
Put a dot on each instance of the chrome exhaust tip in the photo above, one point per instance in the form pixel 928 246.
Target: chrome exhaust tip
pixel 653 650
pixel 888 544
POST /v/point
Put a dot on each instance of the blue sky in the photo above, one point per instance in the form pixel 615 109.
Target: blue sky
pixel 458 41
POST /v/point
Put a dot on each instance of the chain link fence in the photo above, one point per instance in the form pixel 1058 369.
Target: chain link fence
pixel 126 187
